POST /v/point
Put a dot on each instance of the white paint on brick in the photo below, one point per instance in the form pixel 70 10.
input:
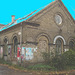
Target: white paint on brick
pixel 59 37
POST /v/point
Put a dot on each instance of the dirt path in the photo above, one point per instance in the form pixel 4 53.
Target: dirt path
pixel 4 70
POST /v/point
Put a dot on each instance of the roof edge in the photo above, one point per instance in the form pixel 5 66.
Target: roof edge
pixel 51 5
pixel 66 10
pixel 41 10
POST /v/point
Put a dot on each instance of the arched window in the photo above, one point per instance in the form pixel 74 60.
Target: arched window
pixel 5 46
pixel 15 43
pixel 71 44
pixel 0 41
pixel 59 46
pixel 43 44
pixel 42 47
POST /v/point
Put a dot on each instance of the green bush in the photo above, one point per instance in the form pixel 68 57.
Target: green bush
pixel 69 58
pixel 58 63
pixel 2 61
pixel 46 57
pixel 61 62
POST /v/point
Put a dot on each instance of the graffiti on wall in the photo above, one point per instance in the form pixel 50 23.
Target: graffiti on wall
pixel 23 53
pixel 27 53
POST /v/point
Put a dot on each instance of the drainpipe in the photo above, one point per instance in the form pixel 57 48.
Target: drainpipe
pixel 20 34
pixel 21 42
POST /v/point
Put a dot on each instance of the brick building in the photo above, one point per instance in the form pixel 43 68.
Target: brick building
pixel 50 30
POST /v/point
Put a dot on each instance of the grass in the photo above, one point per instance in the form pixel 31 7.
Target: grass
pixel 31 67
pixel 41 67
pixel 5 62
pixel 37 68
pixel 19 67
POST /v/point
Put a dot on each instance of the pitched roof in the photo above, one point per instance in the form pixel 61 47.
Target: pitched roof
pixel 51 4
pixel 2 25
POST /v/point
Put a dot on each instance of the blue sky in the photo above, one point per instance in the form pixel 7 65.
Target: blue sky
pixel 20 8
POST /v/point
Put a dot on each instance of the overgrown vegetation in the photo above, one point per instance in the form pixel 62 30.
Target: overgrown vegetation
pixel 65 61
pixel 5 62
pixel 9 63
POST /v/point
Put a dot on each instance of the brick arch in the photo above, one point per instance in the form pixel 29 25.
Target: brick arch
pixel 71 42
pixel 43 34
pixel 14 45
pixel 59 41
pixel 5 38
pixel 42 39
pixel 69 39
pixel 15 34
pixel 5 47
pixel 60 38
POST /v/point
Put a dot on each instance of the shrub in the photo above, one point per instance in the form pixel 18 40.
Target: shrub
pixel 61 62
pixel 58 63
pixel 69 58
pixel 46 57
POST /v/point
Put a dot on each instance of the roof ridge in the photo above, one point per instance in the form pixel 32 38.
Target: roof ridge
pixel 42 9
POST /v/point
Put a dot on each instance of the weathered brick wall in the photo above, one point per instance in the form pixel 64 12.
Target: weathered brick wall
pixel 48 28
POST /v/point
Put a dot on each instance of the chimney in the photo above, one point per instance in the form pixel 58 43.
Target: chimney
pixel 13 18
